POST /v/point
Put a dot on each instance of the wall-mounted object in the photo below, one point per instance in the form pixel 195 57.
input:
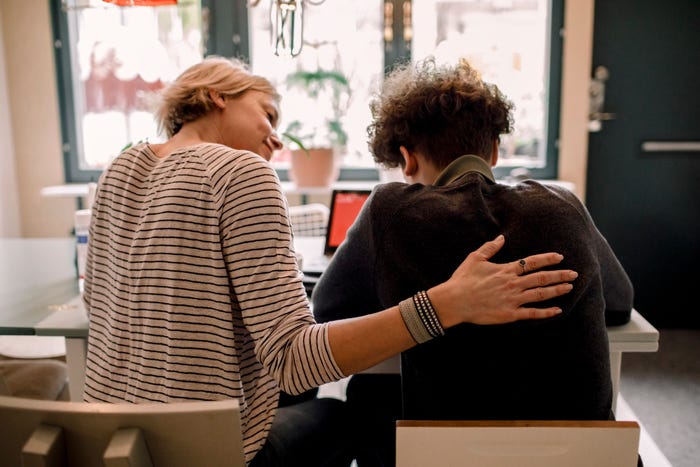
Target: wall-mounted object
pixel 596 92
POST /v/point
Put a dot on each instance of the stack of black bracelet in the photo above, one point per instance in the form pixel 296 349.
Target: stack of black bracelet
pixel 420 318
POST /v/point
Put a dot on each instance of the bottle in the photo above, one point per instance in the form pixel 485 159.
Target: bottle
pixel 82 227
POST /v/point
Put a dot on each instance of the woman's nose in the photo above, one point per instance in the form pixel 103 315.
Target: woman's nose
pixel 276 142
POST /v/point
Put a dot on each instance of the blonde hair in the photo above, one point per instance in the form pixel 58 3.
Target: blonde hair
pixel 187 98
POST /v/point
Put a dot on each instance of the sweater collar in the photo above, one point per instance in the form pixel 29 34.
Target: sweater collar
pixel 463 165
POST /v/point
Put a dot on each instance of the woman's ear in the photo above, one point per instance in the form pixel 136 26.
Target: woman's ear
pixel 410 163
pixel 217 99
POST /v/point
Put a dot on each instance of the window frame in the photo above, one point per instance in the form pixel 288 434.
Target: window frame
pixel 553 60
pixel 226 34
pixel 64 78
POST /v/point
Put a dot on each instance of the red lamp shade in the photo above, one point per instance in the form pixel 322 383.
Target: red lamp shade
pixel 141 2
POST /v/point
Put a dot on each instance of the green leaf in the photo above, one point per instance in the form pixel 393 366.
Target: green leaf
pixel 331 84
pixel 131 143
pixel 296 141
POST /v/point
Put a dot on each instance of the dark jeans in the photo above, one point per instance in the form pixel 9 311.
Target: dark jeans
pixel 374 402
pixel 289 399
pixel 312 433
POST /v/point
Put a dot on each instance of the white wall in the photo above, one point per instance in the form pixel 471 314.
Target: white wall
pixel 30 77
pixel 576 69
pixel 9 200
pixel 34 122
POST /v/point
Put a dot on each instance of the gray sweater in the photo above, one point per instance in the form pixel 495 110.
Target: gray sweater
pixel 411 237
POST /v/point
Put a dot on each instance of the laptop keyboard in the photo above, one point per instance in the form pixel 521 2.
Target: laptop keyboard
pixel 316 264
pixel 309 280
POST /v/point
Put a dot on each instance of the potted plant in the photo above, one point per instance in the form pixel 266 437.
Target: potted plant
pixel 316 132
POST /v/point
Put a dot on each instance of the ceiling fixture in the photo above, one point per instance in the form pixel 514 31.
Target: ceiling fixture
pixel 287 25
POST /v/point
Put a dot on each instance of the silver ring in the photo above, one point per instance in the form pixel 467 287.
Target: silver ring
pixel 522 264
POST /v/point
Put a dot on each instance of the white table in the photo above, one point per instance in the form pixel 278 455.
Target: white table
pixel 71 321
pixel 636 336
pixel 38 296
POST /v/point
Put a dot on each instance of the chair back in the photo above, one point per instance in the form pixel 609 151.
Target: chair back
pixel 517 443
pixel 309 220
pixel 54 433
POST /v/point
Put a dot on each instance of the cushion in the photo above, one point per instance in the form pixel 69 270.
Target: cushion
pixel 33 379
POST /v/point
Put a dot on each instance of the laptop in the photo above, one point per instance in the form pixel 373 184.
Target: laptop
pixel 345 206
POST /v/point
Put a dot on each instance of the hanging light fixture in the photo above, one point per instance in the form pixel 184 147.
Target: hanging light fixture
pixel 287 26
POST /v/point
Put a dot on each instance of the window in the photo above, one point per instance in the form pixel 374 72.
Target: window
pixel 110 61
pixel 509 43
pixel 342 37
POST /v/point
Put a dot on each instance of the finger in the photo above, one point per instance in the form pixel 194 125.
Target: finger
pixel 539 294
pixel 488 249
pixel 535 262
pixel 536 313
pixel 544 278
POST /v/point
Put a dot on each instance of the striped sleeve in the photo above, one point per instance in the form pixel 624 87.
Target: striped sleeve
pixel 258 252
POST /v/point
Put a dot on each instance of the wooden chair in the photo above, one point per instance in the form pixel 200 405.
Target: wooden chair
pixel 56 433
pixel 517 443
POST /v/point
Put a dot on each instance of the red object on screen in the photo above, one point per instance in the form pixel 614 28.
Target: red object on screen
pixel 141 2
pixel 347 207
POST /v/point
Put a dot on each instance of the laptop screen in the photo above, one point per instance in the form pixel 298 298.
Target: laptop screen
pixel 345 206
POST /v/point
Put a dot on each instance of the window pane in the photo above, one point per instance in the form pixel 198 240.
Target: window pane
pixel 119 57
pixel 339 35
pixel 507 42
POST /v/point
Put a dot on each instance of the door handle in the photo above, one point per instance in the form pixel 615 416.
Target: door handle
pixel 671 146
pixel 603 116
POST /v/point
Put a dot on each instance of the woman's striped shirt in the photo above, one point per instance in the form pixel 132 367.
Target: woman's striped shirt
pixel 192 287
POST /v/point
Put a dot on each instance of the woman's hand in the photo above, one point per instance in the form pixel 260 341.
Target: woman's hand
pixel 482 292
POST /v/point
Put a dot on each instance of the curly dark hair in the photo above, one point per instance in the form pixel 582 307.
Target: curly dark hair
pixel 441 111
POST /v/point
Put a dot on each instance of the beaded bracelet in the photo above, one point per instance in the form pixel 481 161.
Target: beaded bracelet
pixel 420 318
pixel 427 314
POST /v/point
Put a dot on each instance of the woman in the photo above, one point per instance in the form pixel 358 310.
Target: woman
pixel 192 285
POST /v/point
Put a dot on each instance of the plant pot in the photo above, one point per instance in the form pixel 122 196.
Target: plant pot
pixel 318 168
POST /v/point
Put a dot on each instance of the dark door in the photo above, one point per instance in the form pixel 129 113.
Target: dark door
pixel 646 202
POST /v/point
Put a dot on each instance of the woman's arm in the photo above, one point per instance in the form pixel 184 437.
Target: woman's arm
pixel 478 292
pixel 299 354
